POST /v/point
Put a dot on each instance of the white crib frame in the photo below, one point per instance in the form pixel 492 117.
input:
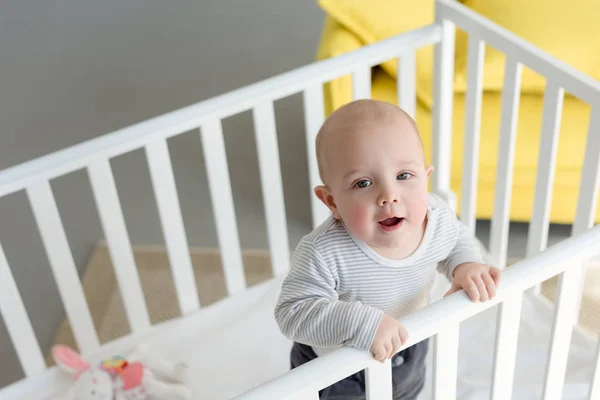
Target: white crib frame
pixel 440 319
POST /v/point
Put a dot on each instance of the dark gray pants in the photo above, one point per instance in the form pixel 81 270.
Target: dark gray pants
pixel 408 374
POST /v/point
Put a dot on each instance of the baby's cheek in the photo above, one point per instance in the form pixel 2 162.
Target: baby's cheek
pixel 359 217
pixel 417 207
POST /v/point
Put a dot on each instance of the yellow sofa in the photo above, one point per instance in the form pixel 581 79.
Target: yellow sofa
pixel 351 24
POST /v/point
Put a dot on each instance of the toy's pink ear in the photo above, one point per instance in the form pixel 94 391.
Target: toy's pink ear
pixel 69 360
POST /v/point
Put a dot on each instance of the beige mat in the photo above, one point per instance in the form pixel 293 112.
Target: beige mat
pixel 104 298
pixel 589 317
pixel 108 314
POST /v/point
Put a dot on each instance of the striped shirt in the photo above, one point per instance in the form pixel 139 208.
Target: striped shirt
pixel 338 288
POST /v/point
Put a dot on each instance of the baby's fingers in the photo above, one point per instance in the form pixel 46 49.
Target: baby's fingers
pixel 389 350
pixel 491 286
pixel 396 344
pixel 379 352
pixel 496 274
pixel 403 333
pixel 471 288
pixel 481 287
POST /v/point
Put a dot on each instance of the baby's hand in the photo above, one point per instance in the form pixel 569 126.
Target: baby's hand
pixel 478 280
pixel 390 336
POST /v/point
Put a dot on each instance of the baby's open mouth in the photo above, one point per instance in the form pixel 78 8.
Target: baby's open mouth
pixel 391 221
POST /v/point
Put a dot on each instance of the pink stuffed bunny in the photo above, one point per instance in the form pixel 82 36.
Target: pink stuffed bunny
pixel 120 379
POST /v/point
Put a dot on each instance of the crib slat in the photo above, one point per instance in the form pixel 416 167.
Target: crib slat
pixel 113 223
pixel 222 205
pixel 507 335
pixel 17 322
pixel 161 174
pixel 63 267
pixel 589 185
pixel 560 343
pixel 445 363
pixel 361 83
pixel 590 176
pixel 272 189
pixel 378 379
pixel 314 114
pixel 406 83
pixel 508 133
pixel 443 98
pixel 472 132
pixel 551 116
pixel 595 387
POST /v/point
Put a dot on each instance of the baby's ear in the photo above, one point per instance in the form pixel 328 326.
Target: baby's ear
pixel 429 170
pixel 322 192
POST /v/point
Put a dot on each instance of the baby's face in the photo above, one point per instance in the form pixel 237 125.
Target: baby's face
pixel 378 181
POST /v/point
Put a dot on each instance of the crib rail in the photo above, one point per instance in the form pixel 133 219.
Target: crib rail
pixel 560 78
pixel 35 178
pixel 440 319
pixel 137 136
pixel 435 318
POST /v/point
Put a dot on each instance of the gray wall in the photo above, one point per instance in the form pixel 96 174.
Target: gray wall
pixel 71 71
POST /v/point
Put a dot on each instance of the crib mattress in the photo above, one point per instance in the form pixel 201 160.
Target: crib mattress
pixel 234 345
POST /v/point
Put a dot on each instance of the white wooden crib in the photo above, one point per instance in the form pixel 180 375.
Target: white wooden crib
pixel 517 345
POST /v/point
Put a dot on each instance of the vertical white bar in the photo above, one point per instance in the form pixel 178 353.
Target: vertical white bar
pixel 63 267
pixel 17 322
pixel 560 342
pixel 590 176
pixel 113 224
pixel 589 185
pixel 507 335
pixel 378 379
pixel 472 132
pixel 217 170
pixel 314 115
pixel 506 160
pixel 272 189
pixel 443 98
pixel 551 116
pixel 406 83
pixel 595 387
pixel 169 210
pixel 361 83
pixel 445 363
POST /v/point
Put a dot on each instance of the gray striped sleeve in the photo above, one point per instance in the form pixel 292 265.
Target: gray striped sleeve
pixel 465 250
pixel 309 311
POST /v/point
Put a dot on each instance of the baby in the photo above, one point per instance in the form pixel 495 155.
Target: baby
pixel 374 260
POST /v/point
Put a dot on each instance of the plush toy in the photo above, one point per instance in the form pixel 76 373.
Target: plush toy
pixel 134 378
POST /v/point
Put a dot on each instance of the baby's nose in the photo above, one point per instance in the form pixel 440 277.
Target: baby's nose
pixel 388 197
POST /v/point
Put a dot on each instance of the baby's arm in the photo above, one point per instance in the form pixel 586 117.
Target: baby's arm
pixel 465 250
pixel 309 310
pixel 465 269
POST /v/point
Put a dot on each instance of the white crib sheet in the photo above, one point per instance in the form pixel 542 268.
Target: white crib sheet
pixel 235 344
pixel 245 349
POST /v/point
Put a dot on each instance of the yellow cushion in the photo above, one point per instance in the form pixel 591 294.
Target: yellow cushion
pixel 571 35
pixel 375 20
pixel 571 143
pixel 568 31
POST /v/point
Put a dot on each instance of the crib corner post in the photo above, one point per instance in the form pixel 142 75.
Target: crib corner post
pixel 443 93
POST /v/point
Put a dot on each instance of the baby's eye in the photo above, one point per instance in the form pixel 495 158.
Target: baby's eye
pixel 403 176
pixel 362 184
